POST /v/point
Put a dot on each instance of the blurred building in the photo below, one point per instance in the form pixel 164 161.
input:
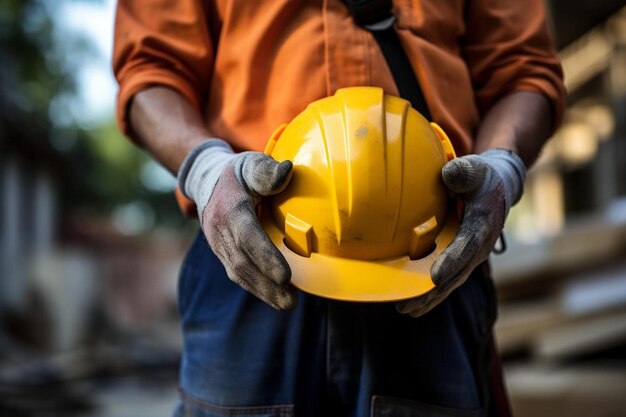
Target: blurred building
pixel 562 283
pixel 28 178
pixel 83 298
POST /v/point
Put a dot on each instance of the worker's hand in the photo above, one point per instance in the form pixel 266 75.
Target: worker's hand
pixel 489 184
pixel 224 186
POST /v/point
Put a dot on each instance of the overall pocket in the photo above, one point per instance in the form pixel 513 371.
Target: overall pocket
pixel 383 406
pixel 193 407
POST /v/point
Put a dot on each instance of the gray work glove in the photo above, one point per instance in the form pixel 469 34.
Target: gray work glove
pixel 225 187
pixel 489 184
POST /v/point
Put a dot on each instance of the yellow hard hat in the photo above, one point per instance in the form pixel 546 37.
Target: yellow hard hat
pixel 366 212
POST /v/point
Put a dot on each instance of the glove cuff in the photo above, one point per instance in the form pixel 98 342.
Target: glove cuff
pixel 510 167
pixel 201 169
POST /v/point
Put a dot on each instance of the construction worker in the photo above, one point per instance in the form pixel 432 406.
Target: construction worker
pixel 202 80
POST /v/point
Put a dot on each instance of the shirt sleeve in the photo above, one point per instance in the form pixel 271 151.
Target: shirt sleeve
pixel 161 42
pixel 508 48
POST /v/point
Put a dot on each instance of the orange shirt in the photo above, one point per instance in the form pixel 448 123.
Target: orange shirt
pixel 250 65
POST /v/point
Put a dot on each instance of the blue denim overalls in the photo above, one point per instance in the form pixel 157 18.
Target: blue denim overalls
pixel 330 358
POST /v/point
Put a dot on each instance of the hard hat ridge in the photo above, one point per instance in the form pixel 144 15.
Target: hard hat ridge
pixel 366 191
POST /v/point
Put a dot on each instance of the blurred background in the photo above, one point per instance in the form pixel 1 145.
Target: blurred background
pixel 91 238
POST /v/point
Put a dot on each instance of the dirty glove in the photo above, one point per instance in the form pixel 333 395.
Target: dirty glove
pixel 489 184
pixel 225 187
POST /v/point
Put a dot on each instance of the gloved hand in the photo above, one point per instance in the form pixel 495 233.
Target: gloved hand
pixel 489 184
pixel 224 186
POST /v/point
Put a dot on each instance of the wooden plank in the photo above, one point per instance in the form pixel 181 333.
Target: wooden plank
pixel 518 324
pixel 594 292
pixel 581 337
pixel 526 324
pixel 588 244
pixel 579 391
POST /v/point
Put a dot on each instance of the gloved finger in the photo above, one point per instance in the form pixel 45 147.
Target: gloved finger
pixel 460 255
pixel 251 238
pixel 421 305
pixel 226 213
pixel 241 270
pixel 265 176
pixel 280 297
pixel 465 174
pixel 405 307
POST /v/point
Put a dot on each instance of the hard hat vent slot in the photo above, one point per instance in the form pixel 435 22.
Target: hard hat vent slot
pixel 298 236
pixel 296 250
pixel 425 253
pixel 422 241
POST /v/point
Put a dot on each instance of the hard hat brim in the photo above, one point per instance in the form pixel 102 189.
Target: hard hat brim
pixel 362 280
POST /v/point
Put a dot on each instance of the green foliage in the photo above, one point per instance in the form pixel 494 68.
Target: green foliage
pixel 112 165
pixel 97 169
pixel 31 73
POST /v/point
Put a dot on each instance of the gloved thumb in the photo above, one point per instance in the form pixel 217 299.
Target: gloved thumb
pixel 464 174
pixel 265 176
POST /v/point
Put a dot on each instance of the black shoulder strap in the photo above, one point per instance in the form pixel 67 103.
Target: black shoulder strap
pixel 376 17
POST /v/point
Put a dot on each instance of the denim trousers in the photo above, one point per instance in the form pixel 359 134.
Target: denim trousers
pixel 331 358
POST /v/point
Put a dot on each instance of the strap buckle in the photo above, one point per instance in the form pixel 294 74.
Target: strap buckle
pixel 382 25
pixel 373 15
